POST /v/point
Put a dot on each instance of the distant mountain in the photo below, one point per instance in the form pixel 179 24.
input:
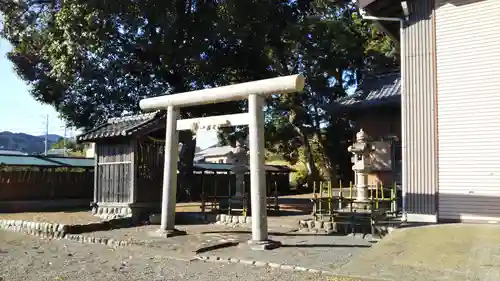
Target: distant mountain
pixel 51 137
pixel 25 142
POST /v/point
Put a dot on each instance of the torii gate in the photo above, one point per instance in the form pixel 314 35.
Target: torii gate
pixel 255 92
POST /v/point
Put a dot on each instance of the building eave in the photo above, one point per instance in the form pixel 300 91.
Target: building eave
pixel 384 8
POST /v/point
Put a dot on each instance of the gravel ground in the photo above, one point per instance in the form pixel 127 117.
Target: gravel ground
pixel 24 257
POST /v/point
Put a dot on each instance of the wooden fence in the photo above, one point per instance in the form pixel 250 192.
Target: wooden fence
pixel 211 184
pixel 224 184
pixel 46 184
pixel 38 184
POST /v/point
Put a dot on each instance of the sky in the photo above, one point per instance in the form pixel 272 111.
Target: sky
pixel 21 113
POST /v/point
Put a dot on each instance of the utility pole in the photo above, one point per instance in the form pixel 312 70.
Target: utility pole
pixel 46 134
pixel 64 140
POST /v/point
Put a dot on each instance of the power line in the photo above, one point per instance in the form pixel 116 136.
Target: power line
pixel 32 130
pixel 46 134
pixel 52 130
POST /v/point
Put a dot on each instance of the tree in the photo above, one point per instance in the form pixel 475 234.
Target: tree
pixel 94 59
pixel 73 148
pixel 330 44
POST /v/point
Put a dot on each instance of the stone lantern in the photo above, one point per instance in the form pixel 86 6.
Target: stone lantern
pixel 361 151
pixel 239 158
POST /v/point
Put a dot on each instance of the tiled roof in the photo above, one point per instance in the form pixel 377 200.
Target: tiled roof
pixel 214 151
pixel 376 90
pixel 121 126
pixel 228 167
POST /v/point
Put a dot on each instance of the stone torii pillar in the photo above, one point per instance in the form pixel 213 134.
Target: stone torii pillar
pixel 255 92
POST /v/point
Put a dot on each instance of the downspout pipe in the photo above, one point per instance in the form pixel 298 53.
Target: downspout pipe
pixel 402 55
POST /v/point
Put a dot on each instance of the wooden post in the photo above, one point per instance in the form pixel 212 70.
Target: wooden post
pixel 133 167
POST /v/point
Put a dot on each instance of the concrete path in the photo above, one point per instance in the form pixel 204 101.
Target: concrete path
pixel 303 251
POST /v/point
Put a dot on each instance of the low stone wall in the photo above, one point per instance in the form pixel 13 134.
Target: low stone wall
pixel 321 227
pixel 233 220
pixel 191 218
pixel 327 227
pixel 61 231
pixel 36 228
pixel 56 229
pixel 112 212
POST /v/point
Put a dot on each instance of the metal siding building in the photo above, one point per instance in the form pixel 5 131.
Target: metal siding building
pixel 420 168
pixel 451 108
pixel 468 83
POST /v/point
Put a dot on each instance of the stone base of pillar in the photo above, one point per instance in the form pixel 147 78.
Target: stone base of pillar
pixel 361 204
pixel 169 233
pixel 112 211
pixel 263 245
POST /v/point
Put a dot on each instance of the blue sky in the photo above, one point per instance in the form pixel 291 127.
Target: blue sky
pixel 20 112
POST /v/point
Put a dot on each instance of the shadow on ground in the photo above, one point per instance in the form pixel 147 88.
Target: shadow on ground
pixel 292 233
pixel 324 246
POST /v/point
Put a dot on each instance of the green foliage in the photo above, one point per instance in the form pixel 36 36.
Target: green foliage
pixel 96 59
pixel 68 144
pixel 331 46
pixel 299 176
pixel 73 148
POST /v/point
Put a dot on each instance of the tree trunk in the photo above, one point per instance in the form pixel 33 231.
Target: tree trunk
pixel 327 161
pixel 186 162
pixel 312 170
pixel 188 140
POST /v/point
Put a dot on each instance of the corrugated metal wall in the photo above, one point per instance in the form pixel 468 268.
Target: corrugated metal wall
pixel 420 164
pixel 468 75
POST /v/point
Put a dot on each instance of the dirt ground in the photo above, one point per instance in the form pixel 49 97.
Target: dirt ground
pixel 294 205
pixel 67 217
pixel 453 252
pixel 77 216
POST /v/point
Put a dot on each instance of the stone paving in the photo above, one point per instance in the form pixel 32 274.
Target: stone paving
pixel 323 253
pixel 198 238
